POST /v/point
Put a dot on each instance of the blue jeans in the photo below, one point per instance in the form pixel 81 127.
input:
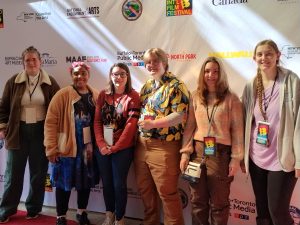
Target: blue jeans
pixel 114 171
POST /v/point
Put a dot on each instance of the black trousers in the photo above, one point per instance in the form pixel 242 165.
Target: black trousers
pixel 273 192
pixel 63 197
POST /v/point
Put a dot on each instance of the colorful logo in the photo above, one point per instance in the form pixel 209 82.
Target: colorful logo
pixel 131 58
pixel 179 7
pixel 235 54
pixel 1 18
pixel 184 56
pixel 132 9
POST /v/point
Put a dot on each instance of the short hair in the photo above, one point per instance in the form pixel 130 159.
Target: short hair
pixel 111 87
pixel 157 53
pixel 222 84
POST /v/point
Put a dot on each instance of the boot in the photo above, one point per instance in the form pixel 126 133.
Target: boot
pixel 109 218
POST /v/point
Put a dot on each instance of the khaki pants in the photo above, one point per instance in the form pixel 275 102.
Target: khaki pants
pixel 156 164
pixel 211 195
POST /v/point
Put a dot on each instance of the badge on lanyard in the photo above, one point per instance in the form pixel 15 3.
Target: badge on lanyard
pixel 263 133
pixel 108 134
pixel 210 147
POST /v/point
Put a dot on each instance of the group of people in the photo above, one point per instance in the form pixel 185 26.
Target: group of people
pixel 88 135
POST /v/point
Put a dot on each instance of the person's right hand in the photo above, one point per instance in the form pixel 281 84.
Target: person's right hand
pixel 53 158
pixel 105 150
pixel 183 164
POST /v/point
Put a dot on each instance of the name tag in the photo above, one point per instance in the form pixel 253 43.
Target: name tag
pixel 87 135
pixel 210 147
pixel 108 135
pixel 263 133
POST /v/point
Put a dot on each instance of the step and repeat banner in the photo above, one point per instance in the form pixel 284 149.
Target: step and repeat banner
pixel 102 32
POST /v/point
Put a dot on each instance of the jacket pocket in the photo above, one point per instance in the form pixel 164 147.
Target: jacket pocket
pixel 61 142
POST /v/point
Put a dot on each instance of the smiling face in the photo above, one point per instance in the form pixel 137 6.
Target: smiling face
pixel 119 78
pixel 211 76
pixel 155 66
pixel 266 57
pixel 32 63
pixel 80 77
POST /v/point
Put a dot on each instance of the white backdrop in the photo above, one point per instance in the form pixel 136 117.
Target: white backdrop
pixel 96 31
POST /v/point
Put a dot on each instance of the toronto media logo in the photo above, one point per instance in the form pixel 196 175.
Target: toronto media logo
pixel 179 7
pixel 33 16
pixel 289 51
pixel 131 58
pixel 77 12
pixel 241 209
pixel 132 9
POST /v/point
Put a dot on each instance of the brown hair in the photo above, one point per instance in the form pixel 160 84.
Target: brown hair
pixel 111 87
pixel 258 82
pixel 158 54
pixel 30 49
pixel 222 83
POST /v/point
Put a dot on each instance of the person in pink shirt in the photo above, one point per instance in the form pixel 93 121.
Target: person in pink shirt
pixel 214 138
pixel 272 153
pixel 115 125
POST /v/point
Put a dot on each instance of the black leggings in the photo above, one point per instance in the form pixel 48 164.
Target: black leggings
pixel 62 200
pixel 273 192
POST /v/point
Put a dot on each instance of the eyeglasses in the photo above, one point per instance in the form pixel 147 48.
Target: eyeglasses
pixel 122 75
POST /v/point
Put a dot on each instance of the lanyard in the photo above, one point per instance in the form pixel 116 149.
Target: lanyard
pixel 211 116
pixel 266 103
pixel 31 93
pixel 118 103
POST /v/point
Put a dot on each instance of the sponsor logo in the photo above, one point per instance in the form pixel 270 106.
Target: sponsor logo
pixel 295 213
pixel 182 56
pixel 184 198
pixel 179 7
pixel 289 51
pixel 132 9
pixel 36 16
pixel 97 189
pixel 235 54
pixel 228 2
pixel 89 12
pixel 1 18
pixel 84 58
pixel 46 58
pixel 131 58
pixel 241 209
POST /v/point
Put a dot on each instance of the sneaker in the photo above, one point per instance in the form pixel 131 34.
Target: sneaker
pixel 31 216
pixel 61 221
pixel 82 219
pixel 109 218
pixel 4 219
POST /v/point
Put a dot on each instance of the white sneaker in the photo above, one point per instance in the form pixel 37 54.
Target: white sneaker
pixel 109 218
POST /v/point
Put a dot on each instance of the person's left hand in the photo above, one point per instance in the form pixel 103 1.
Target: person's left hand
pixel 297 173
pixel 146 124
pixel 89 151
pixel 233 168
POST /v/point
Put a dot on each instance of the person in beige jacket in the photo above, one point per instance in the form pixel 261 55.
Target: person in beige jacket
pixel 70 142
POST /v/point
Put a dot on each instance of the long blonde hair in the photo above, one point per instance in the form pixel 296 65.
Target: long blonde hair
pixel 222 83
pixel 258 82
